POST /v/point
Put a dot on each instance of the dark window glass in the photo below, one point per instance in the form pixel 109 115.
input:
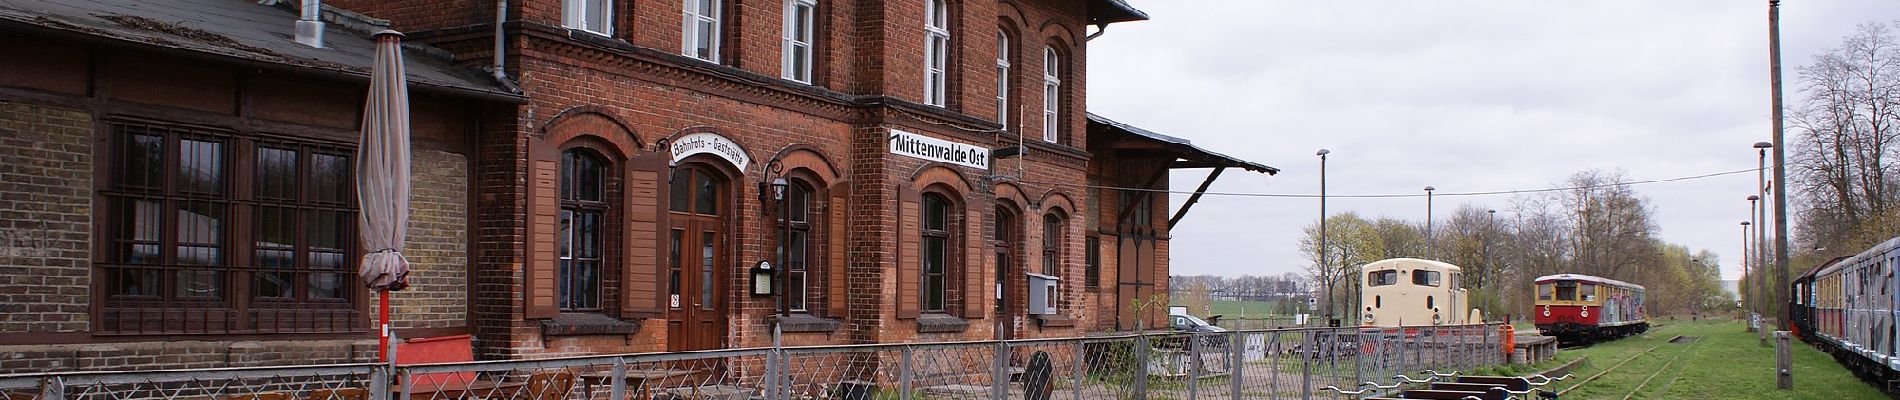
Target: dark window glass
pixel 276 173
pixel 706 200
pixel 673 268
pixel 706 264
pixel 580 239
pixel 1567 291
pixel 1052 228
pixel 201 166
pixel 143 162
pixel 798 206
pixel 936 252
pixel 1426 278
pixel 332 179
pixel 681 192
pixel 1382 278
pixel 1092 249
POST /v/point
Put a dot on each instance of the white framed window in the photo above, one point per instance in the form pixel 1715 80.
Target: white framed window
pixel 1051 96
pixel 798 40
pixel 700 34
pixel 936 51
pixel 588 15
pixel 1002 79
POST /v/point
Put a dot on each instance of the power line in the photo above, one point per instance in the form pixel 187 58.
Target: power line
pixel 1404 195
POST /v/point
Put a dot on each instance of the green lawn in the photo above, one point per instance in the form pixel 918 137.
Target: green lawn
pixel 1725 363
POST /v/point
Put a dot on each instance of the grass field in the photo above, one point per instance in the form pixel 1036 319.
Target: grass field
pixel 1724 363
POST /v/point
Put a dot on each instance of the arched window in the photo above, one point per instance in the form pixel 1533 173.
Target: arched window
pixel 1051 96
pixel 583 224
pixel 1002 78
pixel 936 52
pixel 936 242
pixel 1053 227
pixel 798 239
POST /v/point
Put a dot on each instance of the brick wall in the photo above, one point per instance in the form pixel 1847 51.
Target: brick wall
pixel 45 214
pixel 437 244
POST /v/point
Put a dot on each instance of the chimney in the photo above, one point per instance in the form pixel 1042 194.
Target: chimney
pixel 310 27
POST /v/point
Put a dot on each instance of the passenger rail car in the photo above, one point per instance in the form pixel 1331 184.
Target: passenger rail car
pixel 1846 308
pixel 1414 292
pixel 1583 308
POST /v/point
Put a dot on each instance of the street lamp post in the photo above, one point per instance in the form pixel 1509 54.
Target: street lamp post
pixel 1754 224
pixel 1742 287
pixel 1326 272
pixel 1430 248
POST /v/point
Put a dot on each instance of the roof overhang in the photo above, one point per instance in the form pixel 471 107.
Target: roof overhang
pixel 1187 155
pixel 1103 12
pixel 241 33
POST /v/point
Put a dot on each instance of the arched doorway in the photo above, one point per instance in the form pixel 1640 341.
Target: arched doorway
pixel 1007 239
pixel 698 208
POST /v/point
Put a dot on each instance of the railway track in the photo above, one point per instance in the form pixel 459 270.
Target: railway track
pixel 1606 371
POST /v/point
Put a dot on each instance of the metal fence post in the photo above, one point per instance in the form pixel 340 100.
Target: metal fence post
pixel 771 374
pixel 1236 362
pixel 999 372
pixel 1079 369
pixel 408 385
pixel 1141 366
pixel 1194 365
pixel 379 382
pixel 905 374
pixel 617 390
pixel 1306 368
pixel 1275 356
pixel 52 388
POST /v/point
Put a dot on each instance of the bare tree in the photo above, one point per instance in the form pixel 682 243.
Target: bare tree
pixel 1845 128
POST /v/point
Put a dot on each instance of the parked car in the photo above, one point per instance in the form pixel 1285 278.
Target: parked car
pixel 1189 323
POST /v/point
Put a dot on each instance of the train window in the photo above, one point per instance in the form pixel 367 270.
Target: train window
pixel 1426 278
pixel 1382 278
pixel 1457 280
pixel 1566 291
pixel 1543 291
pixel 1588 291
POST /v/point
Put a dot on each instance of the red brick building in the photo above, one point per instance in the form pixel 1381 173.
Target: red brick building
pixel 609 190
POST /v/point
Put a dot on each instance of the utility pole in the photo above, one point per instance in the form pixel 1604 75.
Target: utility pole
pixel 1430 248
pixel 1326 272
pixel 1781 172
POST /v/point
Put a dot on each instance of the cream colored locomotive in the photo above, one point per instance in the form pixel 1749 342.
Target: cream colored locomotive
pixel 1414 292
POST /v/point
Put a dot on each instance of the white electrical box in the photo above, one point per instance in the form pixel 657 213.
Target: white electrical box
pixel 1042 293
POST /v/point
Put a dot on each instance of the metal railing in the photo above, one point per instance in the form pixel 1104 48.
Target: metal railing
pixel 1261 364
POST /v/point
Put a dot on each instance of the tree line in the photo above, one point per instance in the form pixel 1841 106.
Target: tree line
pixel 1592 223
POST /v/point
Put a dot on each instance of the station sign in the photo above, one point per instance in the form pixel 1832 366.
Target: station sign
pixel 710 143
pixel 934 149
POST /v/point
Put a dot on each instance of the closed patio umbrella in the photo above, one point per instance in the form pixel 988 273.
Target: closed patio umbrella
pixel 382 179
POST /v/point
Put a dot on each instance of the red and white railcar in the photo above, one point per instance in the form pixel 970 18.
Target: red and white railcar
pixel 1586 308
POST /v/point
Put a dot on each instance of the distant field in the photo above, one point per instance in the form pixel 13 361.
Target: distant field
pixel 1241 309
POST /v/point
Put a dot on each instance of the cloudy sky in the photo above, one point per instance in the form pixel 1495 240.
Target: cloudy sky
pixel 1465 96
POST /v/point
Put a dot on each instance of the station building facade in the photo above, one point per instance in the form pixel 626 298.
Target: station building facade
pixel 607 185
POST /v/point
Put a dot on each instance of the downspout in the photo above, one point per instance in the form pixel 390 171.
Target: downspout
pixel 310 26
pixel 1100 29
pixel 499 70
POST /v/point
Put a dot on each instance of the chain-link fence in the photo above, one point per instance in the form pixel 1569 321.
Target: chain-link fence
pixel 1255 364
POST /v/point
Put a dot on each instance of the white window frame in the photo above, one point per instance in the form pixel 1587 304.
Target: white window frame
pixel 574 15
pixel 936 52
pixel 1002 79
pixel 799 33
pixel 1051 96
pixel 689 32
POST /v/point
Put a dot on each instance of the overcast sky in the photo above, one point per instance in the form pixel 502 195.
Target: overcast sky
pixel 1463 95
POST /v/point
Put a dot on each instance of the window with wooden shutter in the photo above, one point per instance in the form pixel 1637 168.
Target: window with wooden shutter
pixel 645 188
pixel 971 264
pixel 543 214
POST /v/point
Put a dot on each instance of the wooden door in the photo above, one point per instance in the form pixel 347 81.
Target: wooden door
pixel 697 255
pixel 1008 279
